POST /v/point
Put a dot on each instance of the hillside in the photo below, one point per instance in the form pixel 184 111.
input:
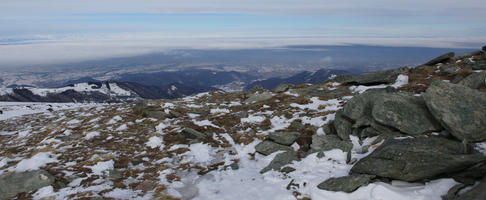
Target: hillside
pixel 408 133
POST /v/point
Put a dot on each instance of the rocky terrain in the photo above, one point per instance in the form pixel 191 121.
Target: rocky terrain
pixel 409 133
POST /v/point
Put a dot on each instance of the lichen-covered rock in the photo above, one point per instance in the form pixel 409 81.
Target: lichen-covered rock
pixel 441 59
pixel 12 184
pixel 404 112
pixel 459 109
pixel 257 97
pixel 267 147
pixel 474 81
pixel 467 55
pixel 346 183
pixel 285 138
pixel 283 88
pixel 414 159
pixel 156 114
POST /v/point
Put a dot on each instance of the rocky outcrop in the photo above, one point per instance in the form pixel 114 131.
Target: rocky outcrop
pixel 441 59
pixel 415 159
pixel 459 109
pixel 281 160
pixel 267 147
pixel 329 142
pixel 375 78
pixel 285 138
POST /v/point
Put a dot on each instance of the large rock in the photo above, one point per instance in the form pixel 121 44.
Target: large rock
pixel 414 159
pixel 345 183
pixel 441 59
pixel 283 88
pixel 329 142
pixel 404 112
pixel 448 69
pixel 267 147
pixel 342 126
pixel 190 133
pixel 285 138
pixel 156 114
pixel 375 78
pixel 459 109
pixel 12 184
pixel 474 81
pixel 360 106
pixel 281 160
pixel 484 48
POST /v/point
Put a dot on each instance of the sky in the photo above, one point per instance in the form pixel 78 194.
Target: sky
pixel 54 31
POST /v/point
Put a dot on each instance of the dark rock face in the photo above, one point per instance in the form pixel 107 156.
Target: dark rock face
pixel 285 138
pixel 329 142
pixel 375 78
pixel 280 160
pixel 414 159
pixel 474 81
pixel 14 183
pixel 345 183
pixel 441 59
pixel 268 147
pixel 406 113
pixel 459 109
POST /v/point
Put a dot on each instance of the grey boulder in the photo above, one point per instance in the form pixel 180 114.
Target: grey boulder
pixel 459 109
pixel 375 78
pixel 404 112
pixel 346 183
pixel 190 133
pixel 281 160
pixel 441 59
pixel 329 142
pixel 285 138
pixel 267 147
pixel 474 81
pixel 414 159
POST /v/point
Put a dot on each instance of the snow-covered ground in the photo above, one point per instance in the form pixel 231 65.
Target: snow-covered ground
pixel 16 109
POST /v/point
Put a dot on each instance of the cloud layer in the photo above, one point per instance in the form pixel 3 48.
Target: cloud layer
pixel 52 31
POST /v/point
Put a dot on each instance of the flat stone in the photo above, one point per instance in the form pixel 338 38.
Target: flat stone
pixel 285 138
pixel 346 183
pixel 375 78
pixel 459 109
pixel 156 114
pixel 267 147
pixel 441 59
pixel 329 142
pixel 414 159
pixel 190 133
pixel 257 97
pixel 280 160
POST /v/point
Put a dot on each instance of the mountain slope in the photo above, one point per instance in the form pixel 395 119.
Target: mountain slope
pixel 303 77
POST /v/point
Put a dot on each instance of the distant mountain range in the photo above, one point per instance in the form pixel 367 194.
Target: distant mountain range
pixel 303 77
pixel 160 85
pixel 105 92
